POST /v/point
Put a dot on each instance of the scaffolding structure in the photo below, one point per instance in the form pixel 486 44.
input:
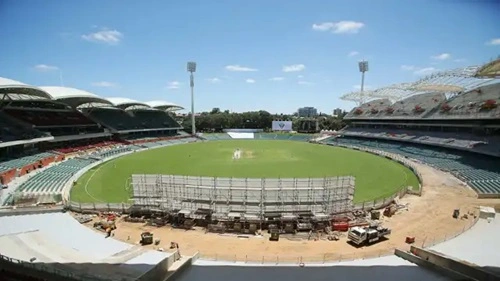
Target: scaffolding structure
pixel 243 195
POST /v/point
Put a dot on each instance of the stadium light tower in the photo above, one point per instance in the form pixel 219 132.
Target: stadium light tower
pixel 191 68
pixel 363 67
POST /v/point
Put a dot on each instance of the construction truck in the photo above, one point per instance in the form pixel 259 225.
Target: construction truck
pixel 367 235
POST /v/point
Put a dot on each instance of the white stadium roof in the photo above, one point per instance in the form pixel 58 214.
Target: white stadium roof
pixel 18 90
pixel 450 81
pixel 163 105
pixel 10 82
pixel 72 96
pixel 64 92
pixel 126 102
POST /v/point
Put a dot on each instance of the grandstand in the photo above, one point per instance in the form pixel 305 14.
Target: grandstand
pixel 433 120
pixel 44 128
pixel 128 115
pixel 260 136
pixel 480 172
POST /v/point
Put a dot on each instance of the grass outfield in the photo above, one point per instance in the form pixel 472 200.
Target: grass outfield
pixel 376 177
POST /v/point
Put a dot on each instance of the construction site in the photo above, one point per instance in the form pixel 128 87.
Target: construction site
pixel 315 208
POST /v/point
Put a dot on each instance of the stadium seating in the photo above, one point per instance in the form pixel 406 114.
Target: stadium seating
pixel 108 152
pixel 155 119
pixel 370 109
pixel 23 161
pixel 416 105
pixel 87 147
pixel 461 140
pixel 12 131
pixel 221 136
pixel 482 173
pixel 282 136
pixel 265 136
pixel 481 103
pixel 55 119
pixel 41 118
pixel 113 117
pixel 52 180
pixel 133 120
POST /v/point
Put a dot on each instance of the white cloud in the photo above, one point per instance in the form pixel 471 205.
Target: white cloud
pixel 304 83
pixel 494 41
pixel 173 85
pixel 107 36
pixel 239 68
pixel 425 71
pixel 365 87
pixel 353 53
pixel 294 68
pixel 339 27
pixel 277 79
pixel 214 80
pixel 250 81
pixel 407 67
pixel 443 56
pixel 419 70
pixel 104 84
pixel 45 67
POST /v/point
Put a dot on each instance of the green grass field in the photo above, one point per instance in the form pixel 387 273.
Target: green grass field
pixel 376 177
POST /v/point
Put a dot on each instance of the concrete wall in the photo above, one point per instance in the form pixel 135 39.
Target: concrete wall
pixel 160 271
pixel 462 267
pixel 429 265
pixel 30 211
pixel 174 275
pixel 35 270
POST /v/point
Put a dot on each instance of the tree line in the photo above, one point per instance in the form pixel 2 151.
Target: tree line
pixel 217 120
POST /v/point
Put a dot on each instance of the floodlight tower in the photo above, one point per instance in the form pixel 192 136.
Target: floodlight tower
pixel 191 68
pixel 363 67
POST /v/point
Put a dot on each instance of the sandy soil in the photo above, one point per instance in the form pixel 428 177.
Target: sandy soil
pixel 428 218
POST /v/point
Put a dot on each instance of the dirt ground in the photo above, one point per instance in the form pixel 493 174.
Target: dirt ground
pixel 428 218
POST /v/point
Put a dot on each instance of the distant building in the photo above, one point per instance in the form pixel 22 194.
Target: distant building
pixel 307 112
pixel 337 112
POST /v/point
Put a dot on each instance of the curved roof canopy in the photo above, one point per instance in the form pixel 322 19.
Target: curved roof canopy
pixel 125 103
pixel 164 105
pixel 18 90
pixel 74 97
pixel 450 81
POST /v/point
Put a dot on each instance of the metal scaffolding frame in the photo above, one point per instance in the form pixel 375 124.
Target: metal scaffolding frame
pixel 244 195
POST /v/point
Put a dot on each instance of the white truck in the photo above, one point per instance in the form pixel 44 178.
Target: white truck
pixel 367 235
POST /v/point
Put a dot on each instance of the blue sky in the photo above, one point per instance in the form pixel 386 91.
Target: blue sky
pixel 274 55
